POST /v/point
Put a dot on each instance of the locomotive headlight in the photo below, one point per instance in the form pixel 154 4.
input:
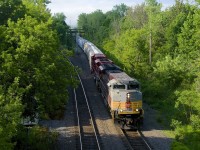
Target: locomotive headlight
pixel 138 109
pixel 128 95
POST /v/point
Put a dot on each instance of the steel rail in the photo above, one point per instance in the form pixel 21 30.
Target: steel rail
pixel 129 143
pixel 77 112
pixel 92 120
pixel 126 139
pixel 141 135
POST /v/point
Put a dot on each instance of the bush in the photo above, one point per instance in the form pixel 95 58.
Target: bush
pixel 195 122
pixel 35 138
pixel 178 146
pixel 186 137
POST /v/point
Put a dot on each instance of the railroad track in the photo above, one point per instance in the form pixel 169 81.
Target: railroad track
pixel 88 134
pixel 135 140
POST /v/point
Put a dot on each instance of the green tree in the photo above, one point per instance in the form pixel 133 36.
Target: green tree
pixel 82 21
pixel 119 10
pixel 34 70
pixel 37 60
pixel 174 19
pixel 11 9
pixel 93 25
pixel 188 48
pixel 153 9
pixel 117 14
pixel 62 28
pixel 10 112
pixel 37 9
pixel 135 18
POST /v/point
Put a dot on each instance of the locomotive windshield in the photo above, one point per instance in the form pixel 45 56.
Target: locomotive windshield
pixel 118 86
pixel 132 86
pixel 136 96
pixel 102 59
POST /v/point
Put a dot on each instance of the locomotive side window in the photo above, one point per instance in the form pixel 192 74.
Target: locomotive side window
pixel 118 86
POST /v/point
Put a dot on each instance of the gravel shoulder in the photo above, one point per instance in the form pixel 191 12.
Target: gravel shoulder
pixel 153 131
pixel 66 128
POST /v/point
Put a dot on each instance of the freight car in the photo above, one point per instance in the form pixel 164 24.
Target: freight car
pixel 121 93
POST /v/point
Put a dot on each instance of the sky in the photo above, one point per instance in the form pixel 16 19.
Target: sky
pixel 73 8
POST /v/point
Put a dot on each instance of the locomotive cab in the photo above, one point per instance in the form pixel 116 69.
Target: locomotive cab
pixel 125 101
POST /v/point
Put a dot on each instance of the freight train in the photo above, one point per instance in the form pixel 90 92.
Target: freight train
pixel 121 93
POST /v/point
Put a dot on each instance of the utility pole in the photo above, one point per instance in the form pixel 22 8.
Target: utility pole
pixel 150 47
pixel 150 38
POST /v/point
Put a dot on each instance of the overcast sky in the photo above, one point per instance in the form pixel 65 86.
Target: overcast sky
pixel 73 8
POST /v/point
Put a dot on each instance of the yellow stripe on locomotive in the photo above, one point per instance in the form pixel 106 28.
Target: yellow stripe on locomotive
pixel 135 107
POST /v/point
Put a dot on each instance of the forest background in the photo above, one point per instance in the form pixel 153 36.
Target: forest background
pixel 161 49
